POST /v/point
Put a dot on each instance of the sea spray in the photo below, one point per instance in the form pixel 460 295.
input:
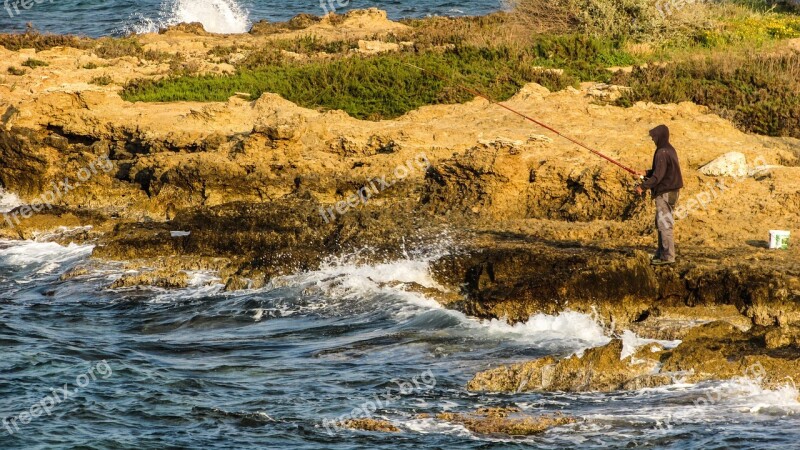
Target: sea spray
pixel 217 16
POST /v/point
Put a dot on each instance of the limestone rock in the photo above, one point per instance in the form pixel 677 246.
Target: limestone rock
pixel 375 47
pixel 732 164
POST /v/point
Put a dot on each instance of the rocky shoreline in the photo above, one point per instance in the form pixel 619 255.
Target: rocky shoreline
pixel 525 223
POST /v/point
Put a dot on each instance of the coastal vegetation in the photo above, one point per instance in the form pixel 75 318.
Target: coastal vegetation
pixel 730 56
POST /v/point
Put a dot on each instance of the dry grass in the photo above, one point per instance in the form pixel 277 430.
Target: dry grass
pixel 544 16
pixel 639 20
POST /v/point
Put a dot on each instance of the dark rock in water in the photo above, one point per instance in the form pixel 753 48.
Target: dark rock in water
pixel 505 421
pixel 371 425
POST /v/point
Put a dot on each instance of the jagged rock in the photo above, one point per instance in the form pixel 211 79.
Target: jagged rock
pixel 514 277
pixel 782 337
pixel 716 351
pixel 159 278
pixel 599 369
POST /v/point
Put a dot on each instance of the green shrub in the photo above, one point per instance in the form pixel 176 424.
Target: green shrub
pixel 377 87
pixel 761 93
pixel 103 80
pixel 110 48
pixel 33 39
pixel 34 63
pixel 16 71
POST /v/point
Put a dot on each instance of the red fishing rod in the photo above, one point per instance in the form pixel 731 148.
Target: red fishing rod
pixel 526 117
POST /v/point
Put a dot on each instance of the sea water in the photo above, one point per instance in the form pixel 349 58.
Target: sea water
pixel 116 17
pixel 147 368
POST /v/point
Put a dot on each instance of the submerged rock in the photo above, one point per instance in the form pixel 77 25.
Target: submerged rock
pixel 163 278
pixel 506 421
pixel 371 425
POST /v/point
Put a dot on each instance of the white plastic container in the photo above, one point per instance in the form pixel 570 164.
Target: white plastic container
pixel 779 239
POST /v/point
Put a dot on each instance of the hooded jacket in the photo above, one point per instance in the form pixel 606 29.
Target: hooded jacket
pixel 665 175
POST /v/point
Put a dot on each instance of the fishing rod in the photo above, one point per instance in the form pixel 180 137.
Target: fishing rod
pixel 526 117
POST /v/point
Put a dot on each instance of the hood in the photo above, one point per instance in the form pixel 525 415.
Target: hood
pixel 660 135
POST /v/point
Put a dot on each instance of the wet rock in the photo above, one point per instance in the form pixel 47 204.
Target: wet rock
pixel 716 351
pixel 75 272
pixel 159 278
pixel 505 421
pixel 380 425
pixel 513 278
pixel 599 369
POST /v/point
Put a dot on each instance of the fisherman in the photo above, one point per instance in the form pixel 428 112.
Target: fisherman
pixel 665 182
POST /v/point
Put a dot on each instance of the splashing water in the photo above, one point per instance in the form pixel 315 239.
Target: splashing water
pixel 265 366
pixel 217 16
pixel 8 201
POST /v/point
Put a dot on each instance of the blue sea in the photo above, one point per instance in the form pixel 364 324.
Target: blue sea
pixel 113 17
pixel 86 366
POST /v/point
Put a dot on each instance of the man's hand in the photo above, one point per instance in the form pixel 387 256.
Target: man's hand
pixel 639 190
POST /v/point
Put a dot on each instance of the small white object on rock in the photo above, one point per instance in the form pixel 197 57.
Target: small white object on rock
pixel 733 164
pixel 179 233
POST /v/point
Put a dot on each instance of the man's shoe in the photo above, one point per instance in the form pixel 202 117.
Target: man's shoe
pixel 655 256
pixel 662 262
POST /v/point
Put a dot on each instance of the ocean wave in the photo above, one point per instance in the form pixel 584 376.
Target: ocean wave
pixel 217 16
pixel 403 288
pixel 43 254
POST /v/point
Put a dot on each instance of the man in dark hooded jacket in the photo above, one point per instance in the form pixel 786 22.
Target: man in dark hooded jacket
pixel 665 181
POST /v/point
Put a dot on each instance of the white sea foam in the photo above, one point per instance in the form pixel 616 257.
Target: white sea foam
pixel 631 342
pixel 217 16
pixel 394 286
pixel 566 326
pixel 748 396
pixel 23 253
pixel 8 201
pixel 433 426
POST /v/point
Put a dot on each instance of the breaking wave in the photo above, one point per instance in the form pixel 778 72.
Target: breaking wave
pixel 217 16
